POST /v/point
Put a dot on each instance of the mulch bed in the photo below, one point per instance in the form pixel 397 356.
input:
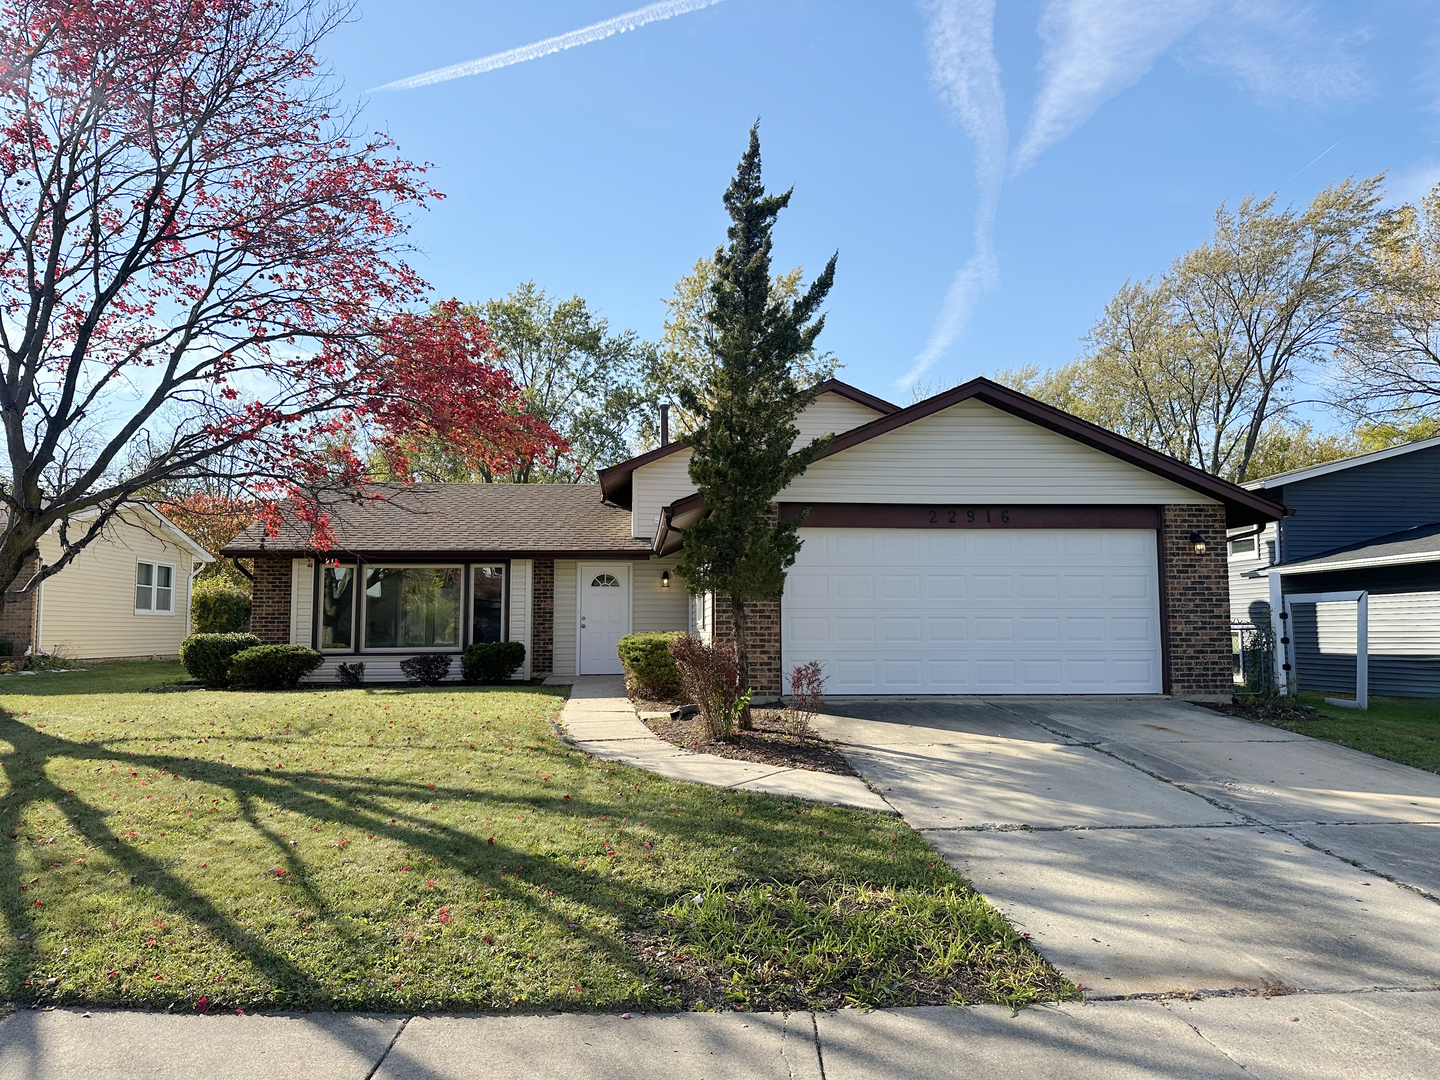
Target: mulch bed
pixel 779 738
pixel 1274 711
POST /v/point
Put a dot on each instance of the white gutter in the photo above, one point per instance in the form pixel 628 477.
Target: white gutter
pixel 1355 564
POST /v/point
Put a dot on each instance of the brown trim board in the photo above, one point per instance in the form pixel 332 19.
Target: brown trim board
pixel 971 516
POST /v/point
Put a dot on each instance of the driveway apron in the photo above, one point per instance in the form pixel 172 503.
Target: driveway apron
pixel 1151 846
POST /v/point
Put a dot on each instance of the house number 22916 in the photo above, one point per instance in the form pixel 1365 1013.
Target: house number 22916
pixel 946 515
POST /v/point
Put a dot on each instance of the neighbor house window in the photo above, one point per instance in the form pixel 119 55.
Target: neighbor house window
pixel 1243 546
pixel 154 588
pixel 488 602
pixel 412 607
pixel 337 607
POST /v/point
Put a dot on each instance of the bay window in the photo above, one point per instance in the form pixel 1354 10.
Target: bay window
pixel 412 607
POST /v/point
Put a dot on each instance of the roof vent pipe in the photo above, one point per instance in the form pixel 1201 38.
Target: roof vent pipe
pixel 665 423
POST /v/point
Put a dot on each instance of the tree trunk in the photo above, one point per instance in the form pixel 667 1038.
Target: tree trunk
pixel 742 656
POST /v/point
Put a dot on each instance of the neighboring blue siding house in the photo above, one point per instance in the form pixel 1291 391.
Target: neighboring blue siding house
pixel 1363 524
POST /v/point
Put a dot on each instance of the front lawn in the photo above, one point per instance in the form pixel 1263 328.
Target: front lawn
pixel 406 850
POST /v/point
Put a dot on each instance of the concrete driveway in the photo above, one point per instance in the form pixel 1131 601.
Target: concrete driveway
pixel 1151 846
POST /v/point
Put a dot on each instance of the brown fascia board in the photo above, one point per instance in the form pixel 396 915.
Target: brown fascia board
pixel 855 394
pixel 432 556
pixel 615 481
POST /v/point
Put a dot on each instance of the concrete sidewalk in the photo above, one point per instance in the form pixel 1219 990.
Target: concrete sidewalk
pixel 1395 1036
pixel 600 720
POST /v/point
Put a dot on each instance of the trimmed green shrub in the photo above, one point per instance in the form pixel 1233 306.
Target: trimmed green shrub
pixel 207 656
pixel 273 667
pixel 492 661
pixel 219 607
pixel 427 669
pixel 7 647
pixel 649 664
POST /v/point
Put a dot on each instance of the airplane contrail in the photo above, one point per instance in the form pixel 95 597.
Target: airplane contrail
pixel 631 20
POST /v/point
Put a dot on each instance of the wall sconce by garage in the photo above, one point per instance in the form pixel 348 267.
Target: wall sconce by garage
pixel 665 579
pixel 1199 542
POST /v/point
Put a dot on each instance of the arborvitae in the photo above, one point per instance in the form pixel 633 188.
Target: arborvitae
pixel 742 449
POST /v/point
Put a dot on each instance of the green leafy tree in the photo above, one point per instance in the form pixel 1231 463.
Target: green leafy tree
pixel 745 410
pixel 1391 348
pixel 576 375
pixel 1203 362
pixel 683 358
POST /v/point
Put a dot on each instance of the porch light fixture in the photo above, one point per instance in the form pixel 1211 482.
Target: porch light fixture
pixel 664 579
pixel 1199 542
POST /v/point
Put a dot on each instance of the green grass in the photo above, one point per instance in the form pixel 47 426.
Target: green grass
pixel 1406 730
pixel 402 850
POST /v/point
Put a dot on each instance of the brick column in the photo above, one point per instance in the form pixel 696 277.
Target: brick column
pixel 17 621
pixel 763 622
pixel 270 600
pixel 1197 601
pixel 542 634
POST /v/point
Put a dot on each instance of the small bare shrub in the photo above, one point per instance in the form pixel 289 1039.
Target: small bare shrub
pixel 710 677
pixel 807 691
pixel 351 676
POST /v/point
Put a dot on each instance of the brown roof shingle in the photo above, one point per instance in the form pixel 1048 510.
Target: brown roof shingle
pixel 462 519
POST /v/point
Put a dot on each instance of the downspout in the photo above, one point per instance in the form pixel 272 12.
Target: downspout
pixel 236 563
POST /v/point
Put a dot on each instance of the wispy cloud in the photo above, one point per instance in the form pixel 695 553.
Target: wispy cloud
pixel 1093 50
pixel 960 41
pixel 1282 51
pixel 631 20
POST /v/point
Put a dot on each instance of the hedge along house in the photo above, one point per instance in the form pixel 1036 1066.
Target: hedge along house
pixel 977 542
pixel 124 596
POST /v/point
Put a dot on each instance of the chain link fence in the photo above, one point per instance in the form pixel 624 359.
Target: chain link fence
pixel 1254 659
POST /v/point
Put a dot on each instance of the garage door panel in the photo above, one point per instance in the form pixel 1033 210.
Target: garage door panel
pixel 1023 611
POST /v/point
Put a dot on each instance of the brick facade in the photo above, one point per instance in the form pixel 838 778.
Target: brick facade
pixel 17 621
pixel 763 622
pixel 542 638
pixel 1196 601
pixel 270 600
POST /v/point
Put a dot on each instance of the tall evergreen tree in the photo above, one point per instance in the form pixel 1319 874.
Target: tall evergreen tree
pixel 742 447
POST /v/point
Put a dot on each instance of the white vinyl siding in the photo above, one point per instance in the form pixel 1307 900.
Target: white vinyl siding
pixel 656 607
pixel 831 414
pixel 565 617
pixel 1022 611
pixel 87 610
pixel 1250 579
pixel 972 452
pixel 520 578
pixel 657 485
pixel 379 668
pixel 302 601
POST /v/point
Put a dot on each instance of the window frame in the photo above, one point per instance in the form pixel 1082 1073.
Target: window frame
pixel 1253 552
pixel 317 606
pixel 469 604
pixel 363 614
pixel 154 587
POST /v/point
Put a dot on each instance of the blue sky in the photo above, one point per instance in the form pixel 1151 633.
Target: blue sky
pixel 1044 155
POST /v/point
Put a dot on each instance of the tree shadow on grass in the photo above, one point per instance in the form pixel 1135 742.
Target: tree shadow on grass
pixel 350 802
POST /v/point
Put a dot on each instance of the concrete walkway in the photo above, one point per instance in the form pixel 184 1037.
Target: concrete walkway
pixel 1394 1036
pixel 600 720
pixel 1150 846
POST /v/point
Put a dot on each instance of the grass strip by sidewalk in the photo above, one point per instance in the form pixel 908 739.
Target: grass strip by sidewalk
pixel 440 849
pixel 1406 730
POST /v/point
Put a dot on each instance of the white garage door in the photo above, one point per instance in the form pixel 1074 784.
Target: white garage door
pixel 1022 611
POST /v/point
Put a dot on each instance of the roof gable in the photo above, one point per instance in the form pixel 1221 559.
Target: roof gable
pixel 1311 472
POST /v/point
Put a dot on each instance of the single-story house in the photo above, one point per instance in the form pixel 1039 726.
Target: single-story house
pixel 125 596
pixel 1368 524
pixel 978 541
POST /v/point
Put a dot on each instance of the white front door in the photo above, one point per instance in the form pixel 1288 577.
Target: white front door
pixel 604 616
pixel 1014 611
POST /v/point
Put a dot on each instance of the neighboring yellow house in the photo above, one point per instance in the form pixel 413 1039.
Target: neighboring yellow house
pixel 125 595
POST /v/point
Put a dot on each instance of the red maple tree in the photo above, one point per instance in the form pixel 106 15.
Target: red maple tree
pixel 202 272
